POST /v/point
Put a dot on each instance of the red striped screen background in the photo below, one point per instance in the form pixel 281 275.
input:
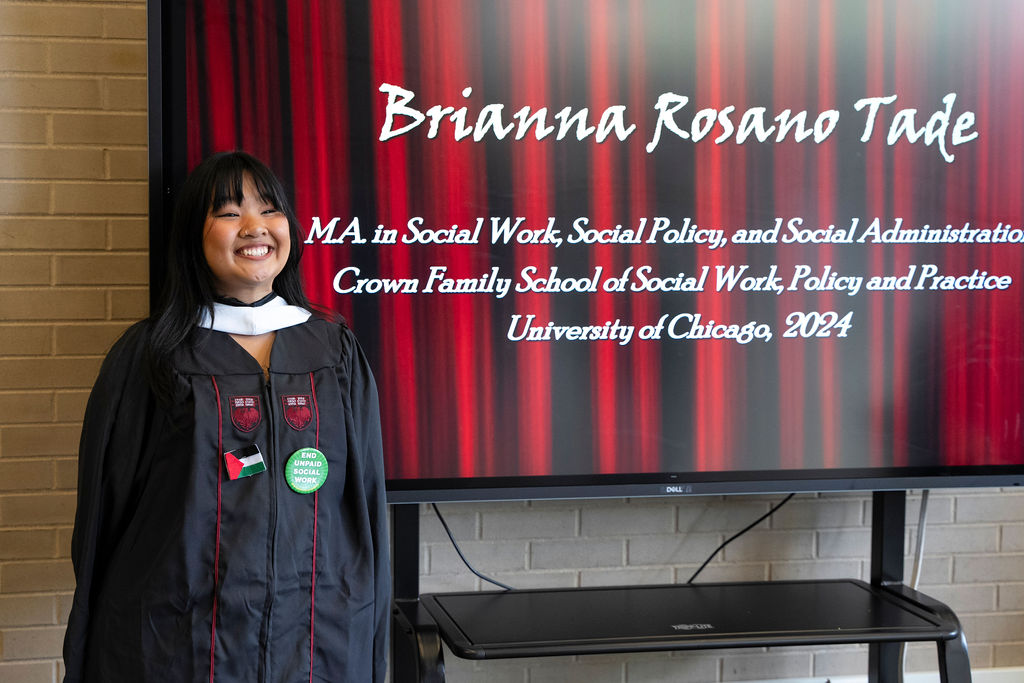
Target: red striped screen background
pixel 922 378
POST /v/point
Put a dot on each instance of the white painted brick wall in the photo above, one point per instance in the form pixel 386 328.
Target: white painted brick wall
pixel 1012 538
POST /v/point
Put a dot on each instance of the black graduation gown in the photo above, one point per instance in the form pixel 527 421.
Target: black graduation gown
pixel 186 575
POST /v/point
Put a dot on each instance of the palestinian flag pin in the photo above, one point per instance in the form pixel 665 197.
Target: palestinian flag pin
pixel 244 462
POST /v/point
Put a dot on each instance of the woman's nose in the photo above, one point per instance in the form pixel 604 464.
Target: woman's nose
pixel 253 226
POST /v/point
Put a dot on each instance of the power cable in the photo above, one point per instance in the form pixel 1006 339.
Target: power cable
pixel 465 561
pixel 738 534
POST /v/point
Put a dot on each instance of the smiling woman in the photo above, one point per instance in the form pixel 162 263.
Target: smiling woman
pixel 198 552
pixel 230 204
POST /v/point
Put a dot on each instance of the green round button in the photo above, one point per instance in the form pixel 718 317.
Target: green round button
pixel 306 470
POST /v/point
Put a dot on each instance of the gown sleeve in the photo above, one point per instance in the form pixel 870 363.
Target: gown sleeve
pixel 112 438
pixel 366 418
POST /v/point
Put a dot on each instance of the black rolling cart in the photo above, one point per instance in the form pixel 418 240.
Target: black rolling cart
pixel 551 622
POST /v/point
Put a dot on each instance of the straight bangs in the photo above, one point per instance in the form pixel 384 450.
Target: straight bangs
pixel 229 178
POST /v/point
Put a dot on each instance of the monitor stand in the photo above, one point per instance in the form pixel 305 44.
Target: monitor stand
pixel 550 622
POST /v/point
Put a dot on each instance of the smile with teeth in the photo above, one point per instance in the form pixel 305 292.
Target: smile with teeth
pixel 255 252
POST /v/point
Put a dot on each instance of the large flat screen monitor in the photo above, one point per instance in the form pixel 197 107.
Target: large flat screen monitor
pixel 629 247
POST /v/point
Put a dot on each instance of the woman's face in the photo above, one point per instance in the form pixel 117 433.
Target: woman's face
pixel 246 245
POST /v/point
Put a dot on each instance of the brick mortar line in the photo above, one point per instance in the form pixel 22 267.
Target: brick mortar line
pixel 62 356
pixel 924 588
pixel 38 356
pixel 38 460
pixel 69 75
pixel 82 179
pixel 35 251
pixel 69 40
pixel 67 289
pixel 83 110
pixel 92 252
pixel 40 392
pixel 46 323
pixel 109 289
pixel 54 526
pixel 71 3
pixel 34 627
pixel 70 147
pixel 132 319
pixel 62 181
pixel 957 525
pixel 85 254
pixel 990 613
pixel 73 110
pixel 97 76
pixel 969 493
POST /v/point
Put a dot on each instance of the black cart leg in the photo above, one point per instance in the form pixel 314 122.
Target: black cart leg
pixel 888 517
pixel 416 645
pixel 954 664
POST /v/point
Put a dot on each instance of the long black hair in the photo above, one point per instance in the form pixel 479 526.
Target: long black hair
pixel 188 289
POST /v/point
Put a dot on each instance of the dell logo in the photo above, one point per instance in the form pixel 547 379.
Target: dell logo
pixel 679 489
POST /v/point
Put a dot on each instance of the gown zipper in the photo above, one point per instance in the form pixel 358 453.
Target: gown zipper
pixel 272 549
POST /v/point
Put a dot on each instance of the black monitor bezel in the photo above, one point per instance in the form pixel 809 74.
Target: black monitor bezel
pixel 167 169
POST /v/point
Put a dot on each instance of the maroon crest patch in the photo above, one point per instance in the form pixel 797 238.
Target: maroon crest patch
pixel 298 411
pixel 245 412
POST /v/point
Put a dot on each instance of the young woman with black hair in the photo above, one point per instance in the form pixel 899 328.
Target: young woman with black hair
pixel 231 516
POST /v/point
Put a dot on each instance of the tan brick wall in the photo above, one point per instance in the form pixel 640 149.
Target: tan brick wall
pixel 73 275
